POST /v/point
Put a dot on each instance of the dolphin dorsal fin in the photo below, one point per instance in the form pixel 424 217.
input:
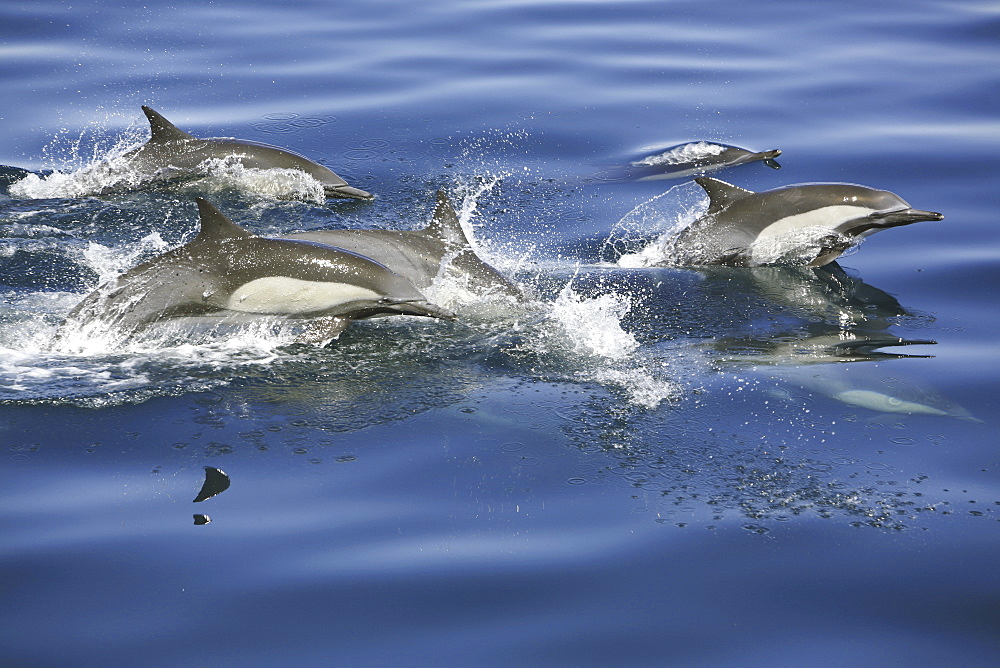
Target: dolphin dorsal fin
pixel 721 194
pixel 162 130
pixel 215 226
pixel 444 223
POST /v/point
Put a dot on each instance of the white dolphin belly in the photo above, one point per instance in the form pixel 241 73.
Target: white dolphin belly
pixel 828 217
pixel 293 296
pixel 884 403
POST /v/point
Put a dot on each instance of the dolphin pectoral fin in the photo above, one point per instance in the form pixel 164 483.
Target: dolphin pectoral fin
pixel 772 163
pixel 734 257
pixel 323 330
pixel 831 247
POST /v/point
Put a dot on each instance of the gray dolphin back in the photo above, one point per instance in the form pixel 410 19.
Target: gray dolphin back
pixel 170 147
pixel 422 255
pixel 228 270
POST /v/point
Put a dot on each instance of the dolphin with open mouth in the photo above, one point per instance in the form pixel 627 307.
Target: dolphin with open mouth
pixel 821 221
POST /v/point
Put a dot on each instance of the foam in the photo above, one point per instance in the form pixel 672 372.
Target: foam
pixel 102 169
pixel 564 334
pixel 685 153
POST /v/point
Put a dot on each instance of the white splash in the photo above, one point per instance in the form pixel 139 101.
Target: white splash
pixel 219 174
pixel 797 247
pixel 585 336
pixel 643 237
pixel 79 170
pixel 691 152
pixel 82 165
pixel 592 326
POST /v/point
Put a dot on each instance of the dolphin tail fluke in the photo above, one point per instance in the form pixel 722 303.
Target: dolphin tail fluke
pixel 162 130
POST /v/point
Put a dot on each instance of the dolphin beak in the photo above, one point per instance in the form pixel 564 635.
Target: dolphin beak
pixel 347 192
pixel 903 217
pixel 423 308
pixel 767 157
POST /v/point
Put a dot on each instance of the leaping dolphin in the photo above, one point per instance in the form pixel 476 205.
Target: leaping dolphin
pixel 699 157
pixel 421 255
pixel 821 219
pixel 228 270
pixel 171 148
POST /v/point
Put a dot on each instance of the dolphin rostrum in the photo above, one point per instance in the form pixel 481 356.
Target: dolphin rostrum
pixel 226 270
pixel 821 220
pixel 699 157
pixel 170 148
pixel 422 255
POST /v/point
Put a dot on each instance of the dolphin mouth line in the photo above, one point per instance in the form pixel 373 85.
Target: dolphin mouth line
pixel 886 219
pixel 418 307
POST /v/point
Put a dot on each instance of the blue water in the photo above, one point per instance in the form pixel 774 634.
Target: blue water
pixel 641 466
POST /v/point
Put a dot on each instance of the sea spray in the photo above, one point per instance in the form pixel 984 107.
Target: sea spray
pixel 93 164
pixel 87 163
pixel 584 336
pixel 641 238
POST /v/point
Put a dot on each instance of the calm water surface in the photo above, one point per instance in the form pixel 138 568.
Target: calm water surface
pixel 640 466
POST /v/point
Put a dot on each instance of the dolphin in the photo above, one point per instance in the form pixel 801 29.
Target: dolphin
pixel 421 255
pixel 821 220
pixel 228 271
pixel 170 148
pixel 699 157
pixel 864 386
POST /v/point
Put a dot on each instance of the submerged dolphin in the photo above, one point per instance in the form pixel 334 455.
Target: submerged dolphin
pixel 699 157
pixel 864 386
pixel 171 148
pixel 421 255
pixel 227 271
pixel 821 221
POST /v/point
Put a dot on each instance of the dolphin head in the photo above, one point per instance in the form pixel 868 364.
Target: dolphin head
pixel 767 157
pixel 744 227
pixel 862 210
